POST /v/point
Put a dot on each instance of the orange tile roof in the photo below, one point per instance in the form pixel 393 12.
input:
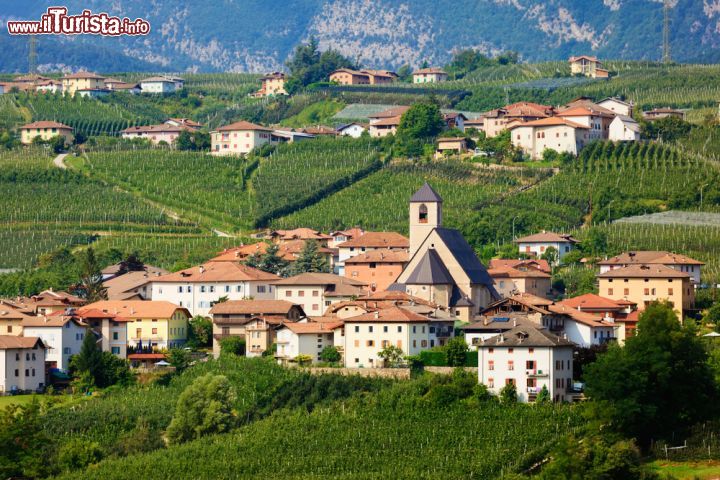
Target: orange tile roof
pixel 586 110
pixel 650 257
pixel 59 319
pixel 549 122
pixel 12 341
pixel 510 272
pixel 515 263
pixel 378 240
pixel 387 122
pixel 532 300
pixel 380 256
pixel 45 124
pixel 253 307
pixel 217 272
pixel 644 271
pixel 139 309
pixel 391 112
pixel 80 75
pixel 243 126
pixel 430 70
pixel 301 233
pixel 585 318
pixel 392 314
pixel 592 301
pixel 312 327
pixel 546 237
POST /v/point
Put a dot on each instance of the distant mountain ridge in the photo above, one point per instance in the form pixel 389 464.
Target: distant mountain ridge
pixel 258 35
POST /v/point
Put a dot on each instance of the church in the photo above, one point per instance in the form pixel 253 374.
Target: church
pixel 443 267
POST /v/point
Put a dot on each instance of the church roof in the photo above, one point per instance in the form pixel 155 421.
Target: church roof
pixel 426 194
pixel 430 270
pixel 465 256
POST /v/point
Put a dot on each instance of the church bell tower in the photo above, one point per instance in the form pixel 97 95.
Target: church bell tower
pixel 425 215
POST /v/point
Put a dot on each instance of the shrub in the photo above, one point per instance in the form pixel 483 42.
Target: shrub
pixel 330 354
pixel 232 346
pixel 508 394
pixel 78 453
pixel 140 439
pixel 455 352
pixel 203 408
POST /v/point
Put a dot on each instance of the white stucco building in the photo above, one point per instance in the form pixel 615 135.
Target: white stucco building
pixel 538 244
pixel 306 338
pixel 22 363
pixel 624 129
pixel 529 358
pixel 63 335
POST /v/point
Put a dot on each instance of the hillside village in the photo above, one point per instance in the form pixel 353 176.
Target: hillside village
pixel 337 233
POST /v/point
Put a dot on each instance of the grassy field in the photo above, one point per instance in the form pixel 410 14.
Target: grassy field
pixel 709 470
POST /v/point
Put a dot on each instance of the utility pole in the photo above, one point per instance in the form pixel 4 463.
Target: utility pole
pixel 32 54
pixel 666 31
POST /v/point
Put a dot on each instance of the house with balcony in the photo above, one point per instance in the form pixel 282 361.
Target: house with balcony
pixel 529 358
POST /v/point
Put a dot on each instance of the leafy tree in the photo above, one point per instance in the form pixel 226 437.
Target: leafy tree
pixel 79 453
pixel 309 65
pixel 508 394
pixel 422 120
pixel 668 129
pixel 456 351
pixel 405 73
pixel 658 385
pixel 466 61
pixel 26 447
pixel 574 281
pixel 204 407
pixel 91 286
pixel 184 141
pixel 713 316
pixel 89 359
pixel 595 242
pixel 481 392
pixel 58 144
pixel 598 457
pixel 392 356
pixel 550 255
pixel 310 260
pixel 93 367
pixel 233 345
pixel 200 332
pixel 143 438
pixel 178 358
pixel 131 263
pixel 330 354
pixel 543 396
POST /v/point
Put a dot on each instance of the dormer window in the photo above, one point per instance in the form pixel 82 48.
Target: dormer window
pixel 423 214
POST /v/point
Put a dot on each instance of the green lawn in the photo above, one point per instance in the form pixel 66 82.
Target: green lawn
pixel 6 401
pixel 708 470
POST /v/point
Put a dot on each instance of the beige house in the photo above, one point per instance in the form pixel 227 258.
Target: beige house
pixel 239 318
pixel 82 81
pixel 368 334
pixel 429 75
pixel 521 279
pixel 347 76
pixel 596 118
pixel 679 262
pixel 643 284
pixel 314 292
pixel 617 106
pixel 240 138
pixel 22 363
pixel 272 84
pixel 45 130
pixel 11 318
pixel 451 145
pixel 369 242
pixel 496 121
pixel 443 267
pixel 156 133
pixel 658 113
pixel 588 66
pixel 553 133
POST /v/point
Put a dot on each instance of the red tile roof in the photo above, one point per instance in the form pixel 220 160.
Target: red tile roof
pixel 12 341
pixel 592 302
pixel 549 122
pixel 217 272
pixel 644 271
pixel 45 124
pixel 650 258
pixel 253 307
pixel 243 126
pixel 380 256
pixel 377 240
pixel 392 314
pixel 546 237
pixel 515 263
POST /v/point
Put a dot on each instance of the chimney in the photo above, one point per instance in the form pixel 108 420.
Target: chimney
pixel 514 322
pixel 377 313
pixel 202 269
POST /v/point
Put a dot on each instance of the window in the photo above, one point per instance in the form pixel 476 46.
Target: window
pixel 301 293
pixel 399 328
pixel 647 291
pixel 288 293
pixel 371 343
pixel 423 214
pixel 227 288
pixel 67 351
pixel 385 329
pixel 357 343
pixel 491 365
pixel 17 372
pixel 511 365
pixel 531 350
pixel 530 365
pixel 9 328
pixel 116 350
pixel 370 329
pixel 17 357
pixel 357 329
pixel 414 329
pixel 491 383
pixel 202 288
pixel 626 291
pixel 315 293
pixel 610 291
pixel 212 288
pixel 115 336
pixel 510 350
pixel 238 288
pixel 509 381
pixel 261 289
pixel 385 343
pixel 491 350
pixel 315 306
pixel 423 343
pixel 27 372
pixel 180 289
pixel 154 331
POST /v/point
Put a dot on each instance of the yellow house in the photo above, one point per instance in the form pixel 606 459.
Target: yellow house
pixel 240 138
pixel 588 66
pixel 82 81
pixel 45 130
pixel 154 324
pixel 272 84
pixel 643 284
pixel 451 145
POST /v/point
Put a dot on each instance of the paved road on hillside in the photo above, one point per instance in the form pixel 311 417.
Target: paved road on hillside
pixel 60 161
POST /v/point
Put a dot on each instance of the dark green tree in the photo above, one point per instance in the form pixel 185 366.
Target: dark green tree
pixel 658 385
pixel 456 351
pixel 310 260
pixel 309 65
pixel 178 358
pixel 26 447
pixel 421 121
pixel 272 262
pixel 91 286
pixel 330 354
pixel 131 263
pixel 233 345
pixel 184 141
pixel 508 394
pixel 200 331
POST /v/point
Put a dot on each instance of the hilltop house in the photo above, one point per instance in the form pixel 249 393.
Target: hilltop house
pixel 676 261
pixel 537 244
pixel 161 84
pixel 347 76
pixel 642 284
pixel 49 86
pixel 450 145
pixel 151 324
pixel 199 288
pixel 115 85
pixel 45 130
pixel 23 361
pixel 617 106
pixel 597 119
pixel 354 130
pixel 443 267
pixel 156 133
pixel 529 358
pixel 588 66
pixel 231 318
pixel 429 75
pixel 272 84
pixel 495 121
pixel 82 82
pixel 624 129
pixel 386 122
pixel 658 113
pixel 314 292
pixel 240 138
